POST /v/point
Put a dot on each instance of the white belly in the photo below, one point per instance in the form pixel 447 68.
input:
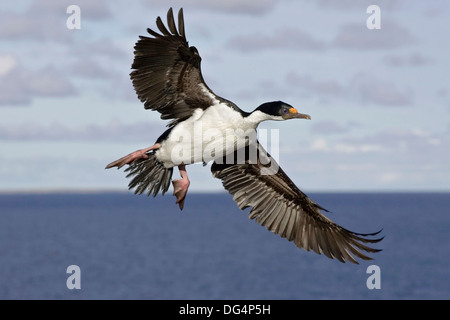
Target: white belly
pixel 207 135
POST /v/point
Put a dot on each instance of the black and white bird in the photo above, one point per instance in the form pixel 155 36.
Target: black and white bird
pixel 167 78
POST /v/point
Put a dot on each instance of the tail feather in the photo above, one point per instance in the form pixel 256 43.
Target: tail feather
pixel 149 175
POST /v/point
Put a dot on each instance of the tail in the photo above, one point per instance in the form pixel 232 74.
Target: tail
pixel 149 175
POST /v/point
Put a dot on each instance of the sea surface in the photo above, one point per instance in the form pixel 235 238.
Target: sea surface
pixel 138 247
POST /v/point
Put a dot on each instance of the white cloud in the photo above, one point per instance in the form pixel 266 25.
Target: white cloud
pixel 404 142
pixel 308 83
pixel 7 63
pixel 344 147
pixel 360 5
pixel 359 37
pixel 389 177
pixel 363 88
pixel 238 6
pixel 89 68
pixel 115 131
pixel 370 89
pixel 46 19
pixel 319 144
pixel 19 85
pixel 252 7
pixel 401 159
pixel 413 59
pixel 329 127
pixel 281 39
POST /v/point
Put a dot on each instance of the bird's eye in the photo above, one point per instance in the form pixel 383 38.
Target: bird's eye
pixel 285 110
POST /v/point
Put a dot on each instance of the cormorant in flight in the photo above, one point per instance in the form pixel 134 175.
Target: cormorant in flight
pixel 167 78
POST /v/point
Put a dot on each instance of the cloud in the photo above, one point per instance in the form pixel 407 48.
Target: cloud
pixel 99 59
pixel 412 143
pixel 54 171
pixel 369 89
pixel 404 159
pixel 362 88
pixel 60 74
pixel 61 67
pixel 329 127
pixel 309 84
pixel 408 60
pixel 282 39
pixel 104 48
pixel 358 37
pixel 357 5
pixel 31 26
pixel 344 147
pixel 414 139
pixel 45 20
pixel 113 131
pixel 404 150
pixel 50 54
pixel 7 63
pixel 93 10
pixel 251 7
pixel 89 68
pixel 18 86
pixel 389 177
pixel 238 6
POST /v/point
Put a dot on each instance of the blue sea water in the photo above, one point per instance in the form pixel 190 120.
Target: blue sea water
pixel 138 247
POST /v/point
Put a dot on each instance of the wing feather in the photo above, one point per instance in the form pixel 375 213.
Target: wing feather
pixel 277 204
pixel 291 231
pixel 166 72
pixel 162 27
pixel 171 23
pixel 181 24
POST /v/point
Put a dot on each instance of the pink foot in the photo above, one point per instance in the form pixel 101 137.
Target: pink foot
pixel 138 154
pixel 180 187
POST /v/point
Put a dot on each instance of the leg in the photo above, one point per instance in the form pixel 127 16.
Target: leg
pixel 180 186
pixel 138 154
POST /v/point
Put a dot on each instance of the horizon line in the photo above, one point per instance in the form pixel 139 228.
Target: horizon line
pixel 218 191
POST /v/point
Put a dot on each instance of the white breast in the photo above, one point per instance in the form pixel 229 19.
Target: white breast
pixel 208 134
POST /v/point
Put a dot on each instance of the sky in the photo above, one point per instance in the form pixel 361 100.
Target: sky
pixel 379 99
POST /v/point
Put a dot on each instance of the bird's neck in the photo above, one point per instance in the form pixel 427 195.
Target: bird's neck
pixel 256 117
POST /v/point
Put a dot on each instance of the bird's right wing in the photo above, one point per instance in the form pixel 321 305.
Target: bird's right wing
pixel 277 204
pixel 167 76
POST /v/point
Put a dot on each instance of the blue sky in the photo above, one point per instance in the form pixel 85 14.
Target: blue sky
pixel 379 99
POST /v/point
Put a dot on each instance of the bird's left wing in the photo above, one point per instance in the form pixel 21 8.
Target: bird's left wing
pixel 277 204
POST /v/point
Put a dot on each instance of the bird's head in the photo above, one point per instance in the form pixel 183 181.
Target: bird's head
pixel 279 110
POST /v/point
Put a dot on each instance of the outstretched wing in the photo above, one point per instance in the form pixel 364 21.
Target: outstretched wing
pixel 167 76
pixel 282 208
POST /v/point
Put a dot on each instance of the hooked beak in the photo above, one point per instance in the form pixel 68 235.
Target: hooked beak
pixel 293 114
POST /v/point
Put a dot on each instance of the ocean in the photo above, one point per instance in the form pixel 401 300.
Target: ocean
pixel 126 246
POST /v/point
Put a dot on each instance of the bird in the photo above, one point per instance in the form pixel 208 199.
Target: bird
pixel 204 127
